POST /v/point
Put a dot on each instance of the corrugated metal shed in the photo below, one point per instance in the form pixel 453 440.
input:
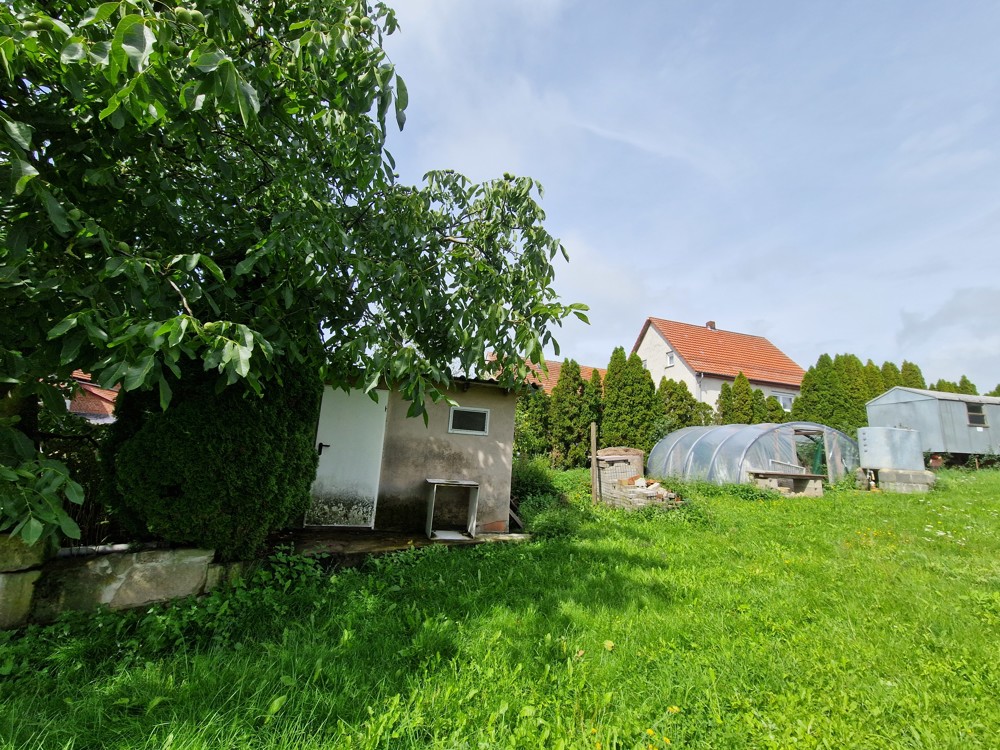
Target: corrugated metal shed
pixel 947 422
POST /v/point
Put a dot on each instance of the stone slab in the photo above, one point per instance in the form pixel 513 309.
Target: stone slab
pixel 16 555
pixel 906 488
pixel 120 580
pixel 16 591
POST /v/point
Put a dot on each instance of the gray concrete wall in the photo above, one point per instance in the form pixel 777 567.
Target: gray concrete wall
pixel 414 453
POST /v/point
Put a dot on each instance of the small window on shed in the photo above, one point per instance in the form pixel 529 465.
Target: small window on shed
pixel 469 421
pixel 976 416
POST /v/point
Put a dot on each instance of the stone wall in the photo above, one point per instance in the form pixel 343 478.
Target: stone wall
pixel 36 590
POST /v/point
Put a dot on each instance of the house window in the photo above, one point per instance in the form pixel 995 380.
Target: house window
pixel 645 364
pixel 670 359
pixel 469 421
pixel 976 416
pixel 785 399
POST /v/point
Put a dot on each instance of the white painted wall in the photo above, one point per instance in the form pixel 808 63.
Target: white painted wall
pixel 653 350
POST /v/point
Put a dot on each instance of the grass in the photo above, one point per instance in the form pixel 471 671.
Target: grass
pixel 856 620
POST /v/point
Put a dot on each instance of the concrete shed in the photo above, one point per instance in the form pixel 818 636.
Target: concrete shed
pixel 377 465
pixel 947 422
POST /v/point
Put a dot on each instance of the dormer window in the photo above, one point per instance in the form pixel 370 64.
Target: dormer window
pixel 670 359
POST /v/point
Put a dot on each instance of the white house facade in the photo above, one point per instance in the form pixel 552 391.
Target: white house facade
pixel 704 357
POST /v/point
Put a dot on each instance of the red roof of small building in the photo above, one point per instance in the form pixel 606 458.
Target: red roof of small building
pixel 548 380
pixel 91 400
pixel 727 353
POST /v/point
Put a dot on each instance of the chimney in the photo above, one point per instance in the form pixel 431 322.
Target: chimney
pixel 710 325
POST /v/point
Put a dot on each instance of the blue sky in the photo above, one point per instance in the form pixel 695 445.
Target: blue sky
pixel 826 174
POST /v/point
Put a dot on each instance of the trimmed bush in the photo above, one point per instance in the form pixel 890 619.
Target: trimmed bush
pixel 530 478
pixel 216 470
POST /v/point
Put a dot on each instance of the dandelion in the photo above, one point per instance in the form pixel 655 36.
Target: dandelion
pixel 650 732
pixel 666 740
pixel 593 730
pixel 673 710
pixel 609 645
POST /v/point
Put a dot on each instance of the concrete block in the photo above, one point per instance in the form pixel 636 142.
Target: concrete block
pixel 16 591
pixel 891 476
pixel 906 488
pixel 16 555
pixel 120 580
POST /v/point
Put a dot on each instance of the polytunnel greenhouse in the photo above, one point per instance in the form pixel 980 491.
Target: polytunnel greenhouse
pixel 727 454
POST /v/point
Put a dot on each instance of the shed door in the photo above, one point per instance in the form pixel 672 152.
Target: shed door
pixel 349 437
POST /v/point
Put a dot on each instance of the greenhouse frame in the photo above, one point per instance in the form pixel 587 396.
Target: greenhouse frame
pixel 728 454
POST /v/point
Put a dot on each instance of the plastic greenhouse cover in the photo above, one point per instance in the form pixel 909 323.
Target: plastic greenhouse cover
pixel 725 454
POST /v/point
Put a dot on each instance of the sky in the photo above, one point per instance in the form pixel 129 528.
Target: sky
pixel 824 174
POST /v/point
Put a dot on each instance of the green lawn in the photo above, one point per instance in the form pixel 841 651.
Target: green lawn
pixel 858 620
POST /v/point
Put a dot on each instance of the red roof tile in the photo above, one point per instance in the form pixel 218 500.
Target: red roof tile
pixel 548 380
pixel 727 353
pixel 91 400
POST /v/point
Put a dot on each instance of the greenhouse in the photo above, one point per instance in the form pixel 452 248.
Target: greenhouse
pixel 728 454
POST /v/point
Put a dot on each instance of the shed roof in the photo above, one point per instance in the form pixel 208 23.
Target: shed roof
pixel 726 353
pixel 548 380
pixel 902 394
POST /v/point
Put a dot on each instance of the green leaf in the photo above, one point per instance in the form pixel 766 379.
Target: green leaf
pixel 119 55
pixel 24 173
pixel 247 101
pixel 137 42
pixel 165 393
pixel 96 15
pixel 31 532
pixel 275 706
pixel 19 132
pixel 208 60
pixel 74 493
pixel 62 326
pixel 213 268
pixel 135 376
pixel 402 101
pixel 52 398
pixel 67 525
pixel 74 51
pixel 57 214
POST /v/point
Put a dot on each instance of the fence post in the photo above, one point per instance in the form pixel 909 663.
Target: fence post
pixel 595 473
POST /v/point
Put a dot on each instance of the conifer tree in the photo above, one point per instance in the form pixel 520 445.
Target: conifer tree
pixel 631 411
pixel 569 419
pixel 775 411
pixel 593 396
pixel 679 406
pixel 911 377
pixel 759 407
pixel 891 376
pixel 944 386
pixel 742 402
pixel 724 406
pixel 821 399
pixel 854 392
pixel 531 424
pixel 967 387
pixel 874 380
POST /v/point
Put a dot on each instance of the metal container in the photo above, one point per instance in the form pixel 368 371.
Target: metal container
pixel 890 448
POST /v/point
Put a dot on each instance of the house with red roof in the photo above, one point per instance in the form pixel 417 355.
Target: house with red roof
pixel 547 380
pixel 705 357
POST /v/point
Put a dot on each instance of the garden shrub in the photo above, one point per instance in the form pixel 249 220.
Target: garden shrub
pixel 530 477
pixel 215 470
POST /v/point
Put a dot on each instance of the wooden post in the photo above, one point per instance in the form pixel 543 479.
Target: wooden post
pixel 595 473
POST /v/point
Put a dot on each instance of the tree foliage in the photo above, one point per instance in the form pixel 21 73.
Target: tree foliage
pixel 891 376
pixel 874 381
pixel 216 470
pixel 209 184
pixel 631 410
pixel 569 418
pixel 531 424
pixel 911 376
